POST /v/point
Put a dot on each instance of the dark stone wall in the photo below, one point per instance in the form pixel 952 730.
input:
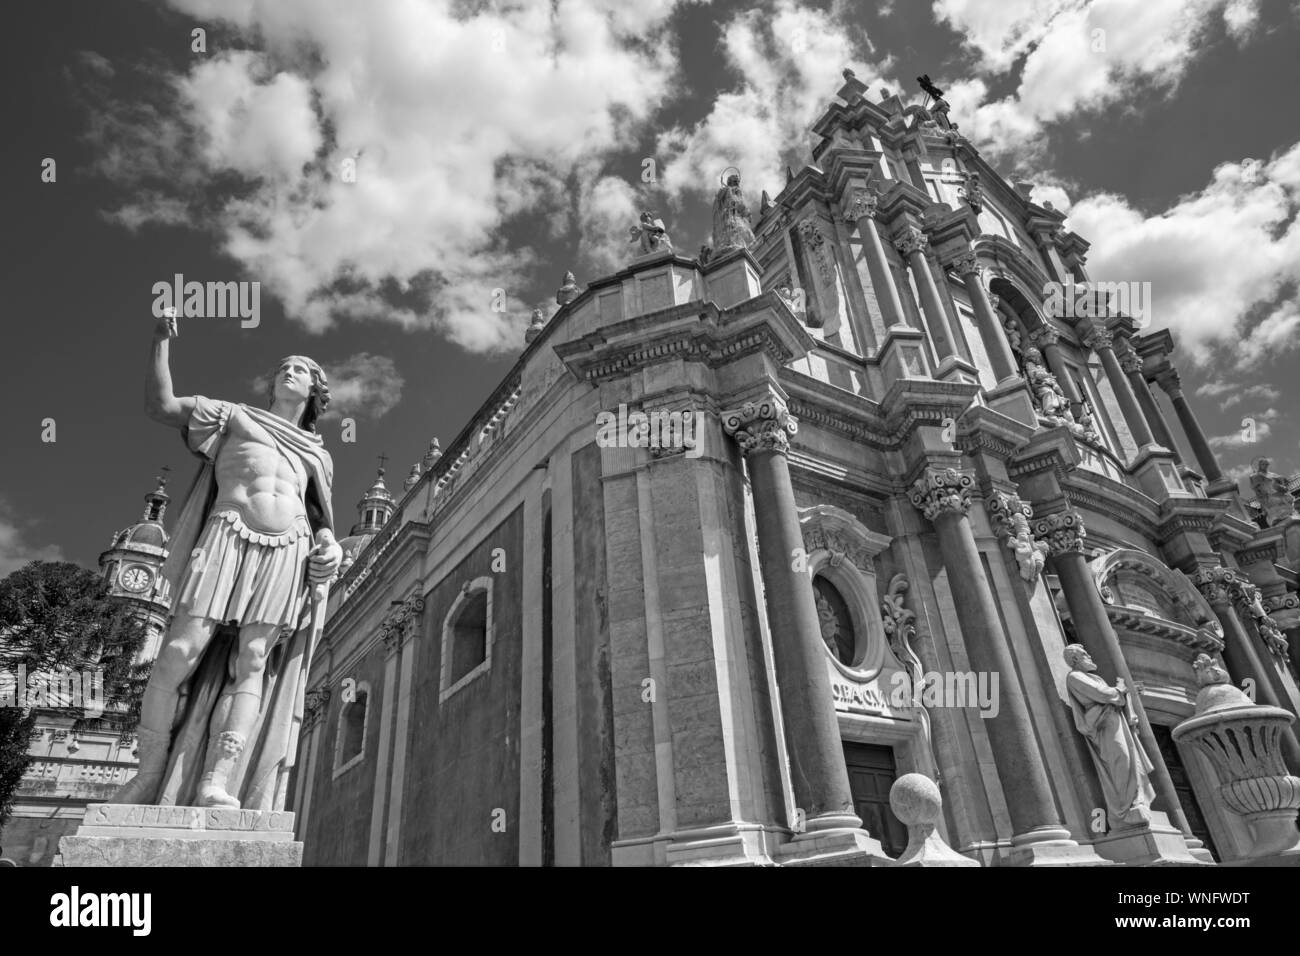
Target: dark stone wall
pixel 338 829
pixel 598 799
pixel 462 759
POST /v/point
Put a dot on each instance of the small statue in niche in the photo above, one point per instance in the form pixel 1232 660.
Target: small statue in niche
pixel 1046 390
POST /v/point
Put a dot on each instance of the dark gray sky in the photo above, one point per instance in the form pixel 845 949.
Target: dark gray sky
pixel 495 149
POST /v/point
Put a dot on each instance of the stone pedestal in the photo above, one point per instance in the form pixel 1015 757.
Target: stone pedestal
pixel 1159 843
pixel 843 846
pixel 115 834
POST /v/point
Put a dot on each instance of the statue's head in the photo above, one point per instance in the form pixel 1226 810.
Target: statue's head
pixel 1033 355
pixel 296 378
pixel 1077 656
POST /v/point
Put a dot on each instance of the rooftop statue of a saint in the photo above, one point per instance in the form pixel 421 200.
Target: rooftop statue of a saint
pixel 1106 719
pixel 251 557
pixel 731 229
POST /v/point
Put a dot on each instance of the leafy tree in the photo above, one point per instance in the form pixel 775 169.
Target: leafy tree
pixel 55 615
pixel 15 735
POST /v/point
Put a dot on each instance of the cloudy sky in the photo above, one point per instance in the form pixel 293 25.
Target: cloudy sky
pixel 407 179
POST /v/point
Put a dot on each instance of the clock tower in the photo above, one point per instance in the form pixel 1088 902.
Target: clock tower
pixel 132 566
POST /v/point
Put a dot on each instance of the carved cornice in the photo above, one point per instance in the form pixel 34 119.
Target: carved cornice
pixel 942 491
pixel 1009 517
pixel 763 425
pixel 1134 621
pixel 1062 532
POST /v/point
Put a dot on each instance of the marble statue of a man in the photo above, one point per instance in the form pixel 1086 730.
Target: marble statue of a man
pixel 1103 716
pixel 219 720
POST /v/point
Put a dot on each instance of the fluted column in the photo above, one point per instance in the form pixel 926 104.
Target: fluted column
pixel 1222 588
pixel 1101 340
pixel 818 774
pixel 944 496
pixel 862 209
pixel 1170 381
pixel 911 243
pixel 1064 534
pixel 1131 363
pixel 986 320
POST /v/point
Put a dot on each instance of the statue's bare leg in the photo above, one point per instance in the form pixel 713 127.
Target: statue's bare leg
pixel 236 714
pixel 182 648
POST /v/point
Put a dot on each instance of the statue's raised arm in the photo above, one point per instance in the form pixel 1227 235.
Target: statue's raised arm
pixel 160 402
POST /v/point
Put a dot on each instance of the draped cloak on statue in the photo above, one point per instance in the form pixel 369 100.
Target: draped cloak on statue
pixel 260 778
pixel 1123 767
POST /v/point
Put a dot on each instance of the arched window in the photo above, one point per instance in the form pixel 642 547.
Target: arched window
pixel 467 637
pixel 350 736
pixel 836 622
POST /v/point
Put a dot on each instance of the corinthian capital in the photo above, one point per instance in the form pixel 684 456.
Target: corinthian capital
pixel 967 263
pixel 1044 336
pixel 314 704
pixel 1099 337
pixel 761 426
pixel 1062 532
pixel 942 491
pixel 1217 585
pixel 1171 382
pixel 862 204
pixel 909 240
pixel 1131 363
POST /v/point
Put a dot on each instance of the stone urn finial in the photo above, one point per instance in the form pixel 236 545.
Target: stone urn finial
pixel 567 292
pixel 1242 740
pixel 535 326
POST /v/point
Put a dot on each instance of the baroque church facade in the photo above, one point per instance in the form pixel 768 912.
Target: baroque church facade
pixel 912 471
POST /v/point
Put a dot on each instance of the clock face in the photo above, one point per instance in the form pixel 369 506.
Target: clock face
pixel 135 578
